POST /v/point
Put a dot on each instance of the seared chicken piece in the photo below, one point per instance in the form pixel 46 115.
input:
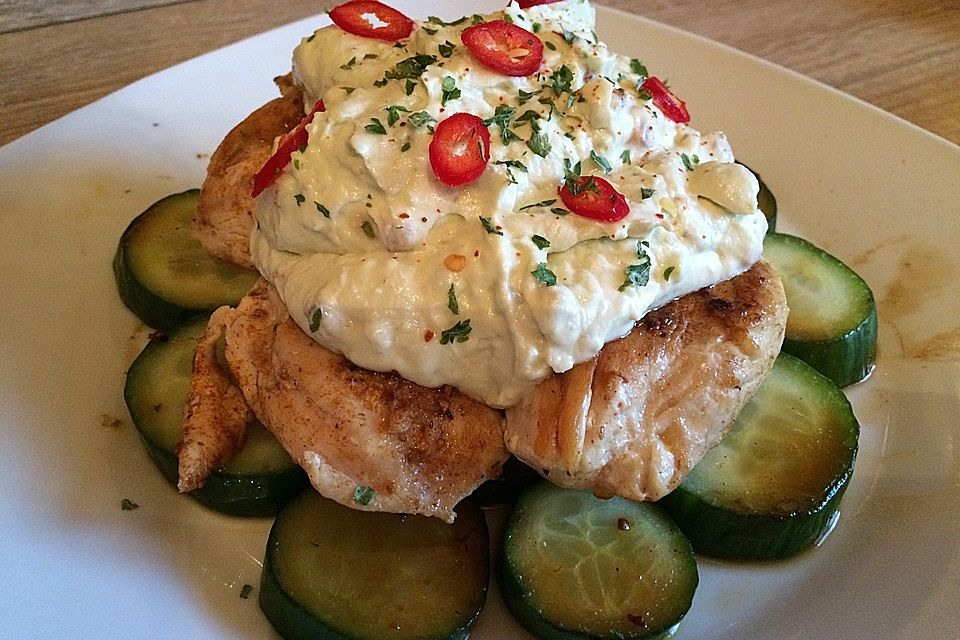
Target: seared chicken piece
pixel 368 440
pixel 636 418
pixel 225 212
pixel 215 424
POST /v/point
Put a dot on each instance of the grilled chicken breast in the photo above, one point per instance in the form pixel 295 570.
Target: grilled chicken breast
pixel 225 212
pixel 420 450
pixel 636 418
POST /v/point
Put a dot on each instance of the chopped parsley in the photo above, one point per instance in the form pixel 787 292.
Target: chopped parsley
pixel 638 68
pixel 540 241
pixel 568 37
pixel 363 495
pixel 625 156
pixel 549 45
pixel 524 96
pixel 689 162
pixel 349 65
pixel 420 118
pixel 536 27
pixel 446 49
pixel 529 116
pixel 411 85
pixel 322 209
pixel 501 118
pixel 299 198
pixel 315 319
pixel 349 90
pixel 560 80
pixel 393 114
pixel 542 203
pixel 638 274
pixel 405 147
pixel 432 32
pixel 245 591
pixel 450 90
pixel 667 273
pixel 571 178
pixel 488 226
pixel 368 229
pixel 544 275
pixel 439 21
pixel 412 67
pixel 600 161
pixel 375 126
pixel 560 211
pixel 452 303
pixel 539 144
pixel 645 193
pixel 128 505
pixel 515 164
pixel 459 332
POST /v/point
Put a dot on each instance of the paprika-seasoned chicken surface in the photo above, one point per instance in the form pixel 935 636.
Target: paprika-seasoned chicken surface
pixel 636 418
pixel 408 449
pixel 225 212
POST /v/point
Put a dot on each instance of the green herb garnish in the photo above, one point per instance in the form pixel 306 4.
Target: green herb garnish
pixel 245 591
pixel 539 144
pixel 450 90
pixel 540 241
pixel 446 49
pixel 322 209
pixel 625 156
pixel 600 161
pixel 128 505
pixel 452 303
pixel 393 114
pixel 645 193
pixel 363 495
pixel 501 118
pixel 488 226
pixel 315 319
pixel 299 198
pixel 544 275
pixel 368 229
pixel 349 65
pixel 542 203
pixel 560 80
pixel 667 273
pixel 375 126
pixel 420 118
pixel 639 68
pixel 459 332
pixel 638 275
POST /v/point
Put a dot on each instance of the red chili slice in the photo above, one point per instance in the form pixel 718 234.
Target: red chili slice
pixel 504 47
pixel 289 143
pixel 594 198
pixel 526 4
pixel 460 149
pixel 672 106
pixel 372 19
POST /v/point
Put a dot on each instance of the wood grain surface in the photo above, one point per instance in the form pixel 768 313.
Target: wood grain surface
pixel 903 57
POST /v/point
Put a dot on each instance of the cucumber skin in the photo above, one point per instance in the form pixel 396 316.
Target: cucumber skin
pixel 845 360
pixel 294 622
pixel 516 597
pixel 724 533
pixel 253 496
pixel 153 311
pixel 719 533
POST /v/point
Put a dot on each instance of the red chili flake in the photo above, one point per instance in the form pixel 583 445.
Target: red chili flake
pixel 404 216
pixel 428 335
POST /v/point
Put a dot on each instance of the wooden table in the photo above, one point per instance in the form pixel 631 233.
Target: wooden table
pixel 901 56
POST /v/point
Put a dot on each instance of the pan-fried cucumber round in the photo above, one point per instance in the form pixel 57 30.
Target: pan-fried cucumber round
pixel 576 567
pixel 163 274
pixel 335 573
pixel 832 325
pixel 772 487
pixel 259 480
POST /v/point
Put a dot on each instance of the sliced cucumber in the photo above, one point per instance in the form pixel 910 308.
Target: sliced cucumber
pixel 832 324
pixel 259 480
pixel 163 274
pixel 767 202
pixel 574 566
pixel 772 487
pixel 334 573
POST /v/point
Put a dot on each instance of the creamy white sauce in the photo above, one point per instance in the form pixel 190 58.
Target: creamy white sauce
pixel 380 268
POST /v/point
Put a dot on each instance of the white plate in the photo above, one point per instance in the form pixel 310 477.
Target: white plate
pixel 881 194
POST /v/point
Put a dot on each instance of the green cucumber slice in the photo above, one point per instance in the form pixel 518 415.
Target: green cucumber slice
pixel 335 573
pixel 772 487
pixel 832 325
pixel 258 481
pixel 766 202
pixel 163 274
pixel 573 566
